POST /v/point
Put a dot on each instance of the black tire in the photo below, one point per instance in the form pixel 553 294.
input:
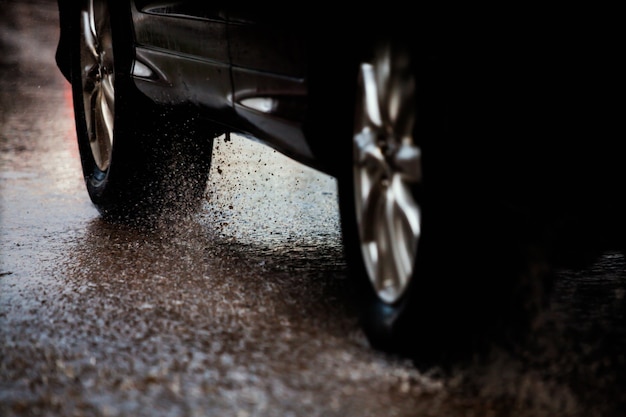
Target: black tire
pixel 468 270
pixel 140 161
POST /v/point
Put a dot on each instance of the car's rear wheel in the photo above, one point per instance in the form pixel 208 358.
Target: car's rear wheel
pixel 139 160
pixel 438 269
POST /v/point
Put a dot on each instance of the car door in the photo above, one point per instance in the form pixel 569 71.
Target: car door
pixel 182 53
pixel 269 62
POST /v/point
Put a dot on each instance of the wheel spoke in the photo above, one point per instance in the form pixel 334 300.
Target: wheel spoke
pixel 90 90
pixel 370 209
pixel 98 79
pixel 105 38
pixel 393 223
pixel 396 94
pixel 108 91
pixel 370 112
pixel 99 16
pixel 96 134
pixel 380 247
pixel 370 171
pixel 403 223
pixel 386 280
pixel 90 42
pixel 105 129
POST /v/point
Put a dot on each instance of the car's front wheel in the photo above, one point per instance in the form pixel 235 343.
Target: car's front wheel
pixel 437 265
pixel 380 198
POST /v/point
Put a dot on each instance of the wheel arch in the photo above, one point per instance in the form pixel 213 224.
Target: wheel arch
pixel 67 28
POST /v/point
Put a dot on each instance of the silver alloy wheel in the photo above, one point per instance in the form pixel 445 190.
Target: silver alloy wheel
pixel 387 166
pixel 98 78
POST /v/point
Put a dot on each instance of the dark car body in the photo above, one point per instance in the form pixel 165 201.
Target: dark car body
pixel 250 67
pixel 465 140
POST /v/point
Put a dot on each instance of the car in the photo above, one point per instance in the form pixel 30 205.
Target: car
pixel 444 132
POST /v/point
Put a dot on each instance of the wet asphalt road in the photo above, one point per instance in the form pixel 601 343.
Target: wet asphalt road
pixel 242 309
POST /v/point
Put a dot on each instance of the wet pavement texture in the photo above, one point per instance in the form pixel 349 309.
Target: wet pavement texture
pixel 242 309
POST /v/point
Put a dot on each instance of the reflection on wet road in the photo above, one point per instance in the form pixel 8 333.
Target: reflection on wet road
pixel 240 310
